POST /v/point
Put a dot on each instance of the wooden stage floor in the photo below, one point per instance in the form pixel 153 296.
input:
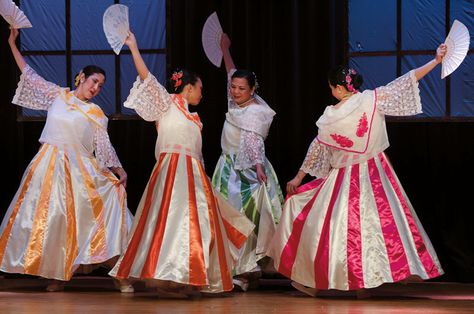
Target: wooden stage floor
pixel 97 295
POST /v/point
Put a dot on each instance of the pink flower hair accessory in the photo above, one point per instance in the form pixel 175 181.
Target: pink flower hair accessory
pixel 348 79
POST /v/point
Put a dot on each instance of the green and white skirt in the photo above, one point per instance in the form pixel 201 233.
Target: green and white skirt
pixel 261 203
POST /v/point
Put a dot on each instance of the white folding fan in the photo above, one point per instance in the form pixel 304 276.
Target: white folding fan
pixel 457 44
pixel 116 26
pixel 211 39
pixel 13 15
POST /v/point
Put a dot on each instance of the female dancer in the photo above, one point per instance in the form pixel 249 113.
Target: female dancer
pixel 354 227
pixel 181 235
pixel 70 209
pixel 243 175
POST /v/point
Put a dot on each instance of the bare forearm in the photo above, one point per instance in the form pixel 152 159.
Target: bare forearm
pixel 229 63
pixel 20 61
pixel 300 175
pixel 140 65
pixel 425 69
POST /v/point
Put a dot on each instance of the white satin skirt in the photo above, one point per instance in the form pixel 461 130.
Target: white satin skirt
pixel 67 212
pixel 354 229
pixel 182 232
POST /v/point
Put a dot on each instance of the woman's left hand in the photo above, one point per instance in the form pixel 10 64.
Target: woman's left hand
pixel 441 52
pixel 261 176
pixel 122 176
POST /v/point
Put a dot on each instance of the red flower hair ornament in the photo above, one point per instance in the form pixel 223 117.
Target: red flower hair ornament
pixel 176 77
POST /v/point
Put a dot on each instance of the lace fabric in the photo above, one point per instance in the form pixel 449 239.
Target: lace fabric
pixel 400 97
pixel 317 160
pixel 148 98
pixel 34 92
pixel 104 151
pixel 251 150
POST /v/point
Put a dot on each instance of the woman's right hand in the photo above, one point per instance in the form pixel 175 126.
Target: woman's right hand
pixel 131 41
pixel 225 42
pixel 292 185
pixel 13 36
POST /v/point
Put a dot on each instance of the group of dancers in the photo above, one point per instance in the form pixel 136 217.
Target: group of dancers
pixel 352 228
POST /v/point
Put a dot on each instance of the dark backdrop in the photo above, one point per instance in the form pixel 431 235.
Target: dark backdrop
pixel 290 45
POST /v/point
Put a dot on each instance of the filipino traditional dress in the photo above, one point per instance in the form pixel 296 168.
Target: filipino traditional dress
pixel 235 176
pixel 69 209
pixel 354 226
pixel 180 233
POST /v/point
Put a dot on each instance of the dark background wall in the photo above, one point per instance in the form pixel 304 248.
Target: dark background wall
pixel 290 45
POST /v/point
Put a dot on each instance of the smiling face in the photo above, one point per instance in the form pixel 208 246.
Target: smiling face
pixel 240 90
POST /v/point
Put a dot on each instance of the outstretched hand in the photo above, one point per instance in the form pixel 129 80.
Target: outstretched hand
pixel 13 36
pixel 225 42
pixel 441 52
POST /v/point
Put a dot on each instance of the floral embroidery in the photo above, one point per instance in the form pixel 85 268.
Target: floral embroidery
pixel 363 126
pixel 343 141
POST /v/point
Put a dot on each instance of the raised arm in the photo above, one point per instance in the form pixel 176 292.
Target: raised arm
pixel 147 96
pixel 225 47
pixel 20 61
pixel 425 69
pixel 140 65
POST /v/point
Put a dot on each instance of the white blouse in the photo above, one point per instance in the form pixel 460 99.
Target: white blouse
pixel 71 123
pixel 400 97
pixel 179 131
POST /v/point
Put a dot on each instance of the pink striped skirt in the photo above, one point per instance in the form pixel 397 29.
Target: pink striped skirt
pixel 354 229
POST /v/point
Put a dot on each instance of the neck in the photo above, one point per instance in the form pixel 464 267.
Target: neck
pixel 346 96
pixel 79 95
pixel 246 103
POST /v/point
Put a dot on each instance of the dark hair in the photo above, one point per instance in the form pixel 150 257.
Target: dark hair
pixel 179 79
pixel 88 71
pixel 339 75
pixel 248 75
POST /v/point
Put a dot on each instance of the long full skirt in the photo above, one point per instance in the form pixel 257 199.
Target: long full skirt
pixel 354 229
pixel 67 212
pixel 182 232
pixel 261 203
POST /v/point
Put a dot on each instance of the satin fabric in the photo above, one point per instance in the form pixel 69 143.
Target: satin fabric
pixel 66 212
pixel 261 203
pixel 181 233
pixel 354 229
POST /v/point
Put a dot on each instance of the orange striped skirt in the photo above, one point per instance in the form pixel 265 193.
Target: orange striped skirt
pixel 182 232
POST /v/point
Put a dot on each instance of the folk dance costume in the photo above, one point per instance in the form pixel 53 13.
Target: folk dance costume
pixel 181 233
pixel 354 227
pixel 69 209
pixel 235 176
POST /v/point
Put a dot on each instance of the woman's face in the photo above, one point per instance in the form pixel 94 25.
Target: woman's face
pixel 240 90
pixel 92 85
pixel 194 93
